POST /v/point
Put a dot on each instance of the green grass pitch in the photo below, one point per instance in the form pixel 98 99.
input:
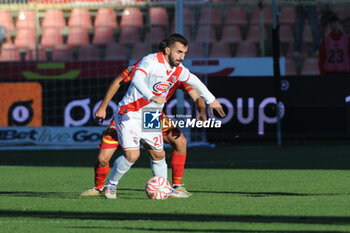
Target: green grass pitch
pixel 304 188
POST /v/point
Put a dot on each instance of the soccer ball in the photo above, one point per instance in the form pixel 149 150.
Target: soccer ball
pixel 158 188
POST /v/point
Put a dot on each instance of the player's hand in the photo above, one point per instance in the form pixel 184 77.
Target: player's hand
pixel 218 108
pixel 100 115
pixel 158 99
pixel 202 115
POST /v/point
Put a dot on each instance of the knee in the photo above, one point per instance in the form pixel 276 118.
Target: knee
pixel 102 161
pixel 132 155
pixel 181 142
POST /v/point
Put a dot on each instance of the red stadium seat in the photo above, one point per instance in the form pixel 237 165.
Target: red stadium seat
pixel 54 18
pixel 158 16
pixel 246 49
pixel 25 19
pixel 220 50
pixel 157 34
pixel 287 16
pixel 129 35
pixel 51 38
pixel 307 34
pixel 195 50
pixel 9 52
pixel 236 16
pixel 267 16
pixel 106 17
pixel 31 54
pixel 206 34
pixel 89 53
pixel 310 67
pixel 290 66
pixel 210 16
pixel 80 18
pixel 78 37
pixel 62 53
pixel 286 34
pixel 103 35
pixel 254 34
pixel 25 38
pixel 115 52
pixel 6 20
pixel 231 35
pixel 131 17
pixel 139 51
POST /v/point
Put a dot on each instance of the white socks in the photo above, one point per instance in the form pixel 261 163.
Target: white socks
pixel 160 168
pixel 121 166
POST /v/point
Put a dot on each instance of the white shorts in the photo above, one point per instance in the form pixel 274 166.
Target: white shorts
pixel 130 134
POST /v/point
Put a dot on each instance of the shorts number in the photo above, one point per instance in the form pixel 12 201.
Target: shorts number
pixel 157 140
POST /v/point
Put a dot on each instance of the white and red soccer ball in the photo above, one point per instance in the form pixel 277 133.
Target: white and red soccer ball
pixel 158 188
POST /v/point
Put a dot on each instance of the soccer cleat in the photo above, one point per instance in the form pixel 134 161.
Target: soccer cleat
pixel 181 188
pixel 110 191
pixel 178 194
pixel 91 192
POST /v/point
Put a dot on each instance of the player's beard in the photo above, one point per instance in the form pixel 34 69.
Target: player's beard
pixel 172 61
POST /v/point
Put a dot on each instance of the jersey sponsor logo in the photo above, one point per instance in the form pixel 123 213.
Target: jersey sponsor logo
pixel 161 87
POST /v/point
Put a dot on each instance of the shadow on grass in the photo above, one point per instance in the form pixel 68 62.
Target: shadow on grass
pixel 122 195
pixel 142 229
pixel 113 216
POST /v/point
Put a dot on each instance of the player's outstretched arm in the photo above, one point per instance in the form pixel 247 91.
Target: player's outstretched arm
pixel 100 113
pixel 200 105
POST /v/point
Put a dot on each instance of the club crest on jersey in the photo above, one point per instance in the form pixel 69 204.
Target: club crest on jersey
pixel 160 87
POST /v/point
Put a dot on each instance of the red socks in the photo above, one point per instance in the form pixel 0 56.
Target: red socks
pixel 100 176
pixel 178 165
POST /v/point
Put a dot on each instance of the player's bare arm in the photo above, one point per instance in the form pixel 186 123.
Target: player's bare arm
pixel 158 99
pixel 200 105
pixel 218 108
pixel 100 113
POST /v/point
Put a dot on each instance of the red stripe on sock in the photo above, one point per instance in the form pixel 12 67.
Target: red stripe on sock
pixel 178 166
pixel 100 176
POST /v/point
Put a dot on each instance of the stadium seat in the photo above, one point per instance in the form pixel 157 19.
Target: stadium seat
pixel 254 34
pixel 80 18
pixel 286 34
pixel 310 67
pixel 157 34
pixel 246 49
pixel 342 12
pixel 54 18
pixel 106 17
pixel 195 50
pixel 307 34
pixel 103 35
pixel 78 37
pixel 287 16
pixel 236 16
pixel 31 54
pixel 267 16
pixel 129 35
pixel 131 17
pixel 62 53
pixel 210 16
pixel 290 66
pixel 139 51
pixel 206 34
pixel 9 52
pixel 25 19
pixel 6 20
pixel 115 52
pixel 158 16
pixel 25 38
pixel 231 34
pixel 186 32
pixel 90 53
pixel 51 37
pixel 220 49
